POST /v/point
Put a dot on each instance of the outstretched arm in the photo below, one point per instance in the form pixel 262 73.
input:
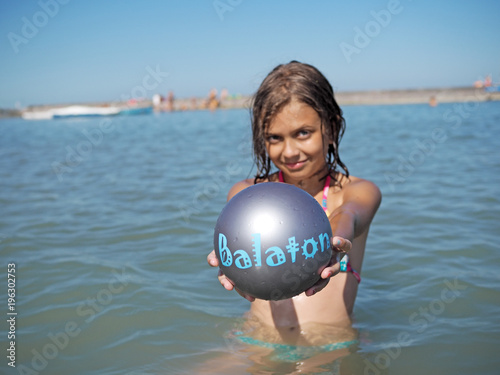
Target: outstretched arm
pixel 361 201
pixel 352 219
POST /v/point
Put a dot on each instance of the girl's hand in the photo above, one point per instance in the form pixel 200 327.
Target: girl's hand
pixel 225 282
pixel 340 245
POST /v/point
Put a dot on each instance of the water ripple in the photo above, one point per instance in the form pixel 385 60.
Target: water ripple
pixel 117 245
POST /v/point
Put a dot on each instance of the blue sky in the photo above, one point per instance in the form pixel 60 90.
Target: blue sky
pixel 63 51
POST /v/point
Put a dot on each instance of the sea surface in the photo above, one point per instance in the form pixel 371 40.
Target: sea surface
pixel 107 223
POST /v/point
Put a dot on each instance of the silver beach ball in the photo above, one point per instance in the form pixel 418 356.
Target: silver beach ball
pixel 272 240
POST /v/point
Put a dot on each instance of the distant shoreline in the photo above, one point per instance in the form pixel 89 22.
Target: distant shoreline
pixel 416 96
pixel 344 98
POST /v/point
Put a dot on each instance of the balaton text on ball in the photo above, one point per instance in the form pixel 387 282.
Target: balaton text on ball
pixel 275 255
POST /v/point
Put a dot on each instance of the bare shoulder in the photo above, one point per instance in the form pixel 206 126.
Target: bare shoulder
pixel 362 185
pixel 361 190
pixel 239 186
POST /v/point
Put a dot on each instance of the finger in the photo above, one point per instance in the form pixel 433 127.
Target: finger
pixel 225 282
pixel 229 285
pixel 244 295
pixel 330 271
pixel 341 244
pixel 212 259
pixel 317 287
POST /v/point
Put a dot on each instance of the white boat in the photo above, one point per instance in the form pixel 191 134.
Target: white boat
pixel 71 111
pixel 80 110
pixel 37 115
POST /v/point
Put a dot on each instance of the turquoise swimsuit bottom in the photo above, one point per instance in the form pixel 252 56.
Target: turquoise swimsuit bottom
pixel 293 353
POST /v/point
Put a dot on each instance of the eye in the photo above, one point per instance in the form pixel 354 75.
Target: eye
pixel 303 133
pixel 271 138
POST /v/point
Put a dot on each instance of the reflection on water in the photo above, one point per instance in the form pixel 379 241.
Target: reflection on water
pixel 110 230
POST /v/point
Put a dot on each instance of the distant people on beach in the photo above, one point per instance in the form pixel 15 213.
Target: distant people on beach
pixel 212 103
pixel 170 101
pixel 487 82
pixel 157 100
pixel 194 103
pixel 161 103
pixel 223 95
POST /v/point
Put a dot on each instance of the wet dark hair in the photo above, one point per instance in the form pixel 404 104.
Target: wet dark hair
pixel 306 84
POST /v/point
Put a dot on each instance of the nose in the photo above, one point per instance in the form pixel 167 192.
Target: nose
pixel 290 149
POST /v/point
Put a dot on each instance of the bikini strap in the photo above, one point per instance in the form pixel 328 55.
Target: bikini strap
pixel 325 193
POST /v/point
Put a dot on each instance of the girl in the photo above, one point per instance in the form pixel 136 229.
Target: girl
pixel 297 126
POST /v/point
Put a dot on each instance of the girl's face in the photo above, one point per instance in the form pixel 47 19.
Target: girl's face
pixel 295 142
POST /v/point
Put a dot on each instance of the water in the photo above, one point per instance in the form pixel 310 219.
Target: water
pixel 109 222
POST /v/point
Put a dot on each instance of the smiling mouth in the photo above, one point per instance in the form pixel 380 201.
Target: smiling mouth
pixel 295 165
